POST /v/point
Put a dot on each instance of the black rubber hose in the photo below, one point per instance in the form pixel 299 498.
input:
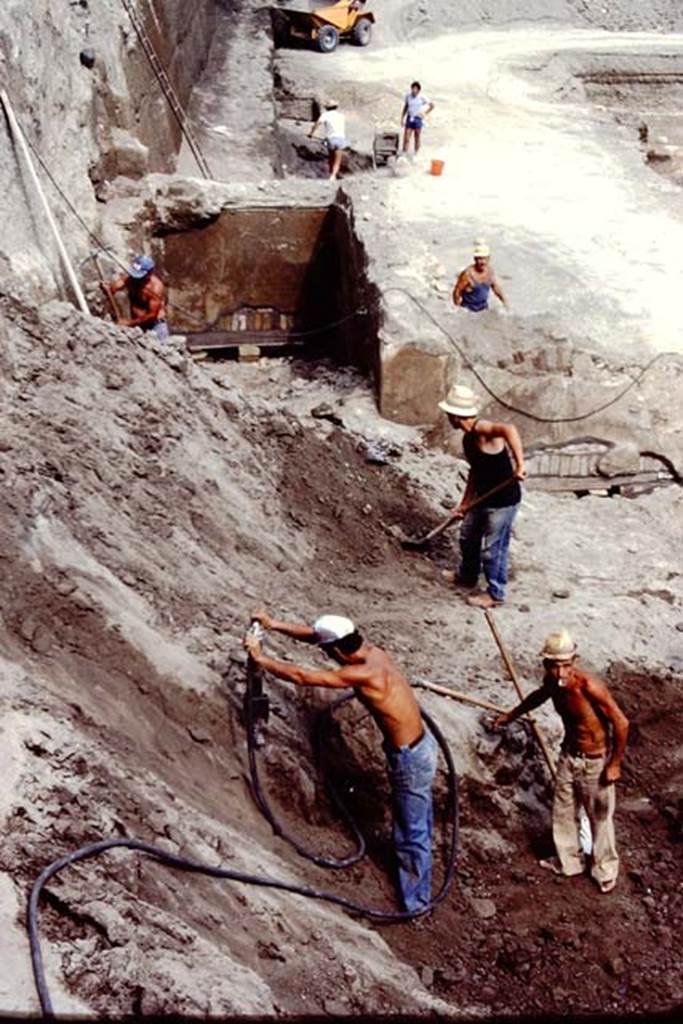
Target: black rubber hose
pixel 264 806
pixel 186 864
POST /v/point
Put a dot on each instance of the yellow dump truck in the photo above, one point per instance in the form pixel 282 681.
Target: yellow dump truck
pixel 325 26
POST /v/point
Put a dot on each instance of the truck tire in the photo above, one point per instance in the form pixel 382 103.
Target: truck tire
pixel 362 32
pixel 327 40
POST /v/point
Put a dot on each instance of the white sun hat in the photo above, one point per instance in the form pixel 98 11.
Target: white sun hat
pixel 460 401
pixel 329 628
pixel 481 248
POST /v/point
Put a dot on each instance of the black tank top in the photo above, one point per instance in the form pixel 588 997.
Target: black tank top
pixel 490 470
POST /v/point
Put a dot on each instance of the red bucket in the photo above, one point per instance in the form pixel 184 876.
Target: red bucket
pixel 436 168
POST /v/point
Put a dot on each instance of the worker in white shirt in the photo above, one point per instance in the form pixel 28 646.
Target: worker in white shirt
pixel 416 107
pixel 333 123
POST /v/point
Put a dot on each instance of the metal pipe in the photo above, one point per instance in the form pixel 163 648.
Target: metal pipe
pixel 19 138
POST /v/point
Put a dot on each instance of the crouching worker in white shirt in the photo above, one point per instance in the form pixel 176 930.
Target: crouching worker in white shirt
pixel 333 123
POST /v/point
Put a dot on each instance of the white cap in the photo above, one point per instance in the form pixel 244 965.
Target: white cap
pixel 481 248
pixel 329 628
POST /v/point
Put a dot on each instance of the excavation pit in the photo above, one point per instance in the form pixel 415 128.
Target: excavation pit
pixel 273 279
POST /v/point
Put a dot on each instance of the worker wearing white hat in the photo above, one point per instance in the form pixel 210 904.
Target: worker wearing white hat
pixel 486 530
pixel 476 281
pixel 589 764
pixel 333 124
pixel 410 748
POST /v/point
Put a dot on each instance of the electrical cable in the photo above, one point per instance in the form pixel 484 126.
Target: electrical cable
pixel 513 408
pixel 199 867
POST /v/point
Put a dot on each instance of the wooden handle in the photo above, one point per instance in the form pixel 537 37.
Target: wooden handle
pixel 520 693
pixel 110 297
pixel 446 691
pixel 419 541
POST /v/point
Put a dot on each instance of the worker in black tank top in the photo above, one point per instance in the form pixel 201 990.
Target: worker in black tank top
pixel 496 458
pixel 488 470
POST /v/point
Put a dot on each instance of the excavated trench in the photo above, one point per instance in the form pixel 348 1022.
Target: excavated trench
pixel 276 279
pixel 645 94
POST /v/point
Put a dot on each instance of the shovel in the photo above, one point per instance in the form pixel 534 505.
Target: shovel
pixel 420 542
pixel 110 298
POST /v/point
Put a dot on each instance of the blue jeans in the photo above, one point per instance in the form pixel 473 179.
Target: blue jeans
pixel 484 544
pixel 411 773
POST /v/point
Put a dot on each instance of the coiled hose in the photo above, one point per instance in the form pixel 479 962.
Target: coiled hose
pixel 199 867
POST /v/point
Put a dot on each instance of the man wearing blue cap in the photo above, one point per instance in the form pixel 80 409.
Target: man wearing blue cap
pixel 410 747
pixel 147 297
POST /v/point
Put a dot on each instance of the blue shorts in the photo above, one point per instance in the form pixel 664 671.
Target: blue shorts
pixel 160 329
pixel 415 123
pixel 336 142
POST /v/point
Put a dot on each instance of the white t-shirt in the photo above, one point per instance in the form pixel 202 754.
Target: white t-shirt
pixel 333 124
pixel 416 104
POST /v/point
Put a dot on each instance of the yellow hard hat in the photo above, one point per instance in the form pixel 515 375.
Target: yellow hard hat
pixel 559 646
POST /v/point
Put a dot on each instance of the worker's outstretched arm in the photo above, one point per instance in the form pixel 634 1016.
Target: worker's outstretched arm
pixel 497 290
pixel 117 285
pixel 314 129
pixel 298 631
pixel 603 699
pixel 460 286
pixel 404 112
pixel 468 494
pixel 297 674
pixel 533 700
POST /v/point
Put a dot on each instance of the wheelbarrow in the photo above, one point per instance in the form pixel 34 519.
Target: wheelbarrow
pixel 325 26
pixel 384 147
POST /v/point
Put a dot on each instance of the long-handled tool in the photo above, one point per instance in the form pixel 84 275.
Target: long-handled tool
pixel 419 542
pixel 585 834
pixel 520 693
pixel 105 287
pixel 445 691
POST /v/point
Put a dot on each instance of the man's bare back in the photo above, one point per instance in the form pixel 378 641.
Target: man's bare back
pixel 150 298
pixel 387 695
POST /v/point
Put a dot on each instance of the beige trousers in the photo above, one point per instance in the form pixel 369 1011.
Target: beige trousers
pixel 578 785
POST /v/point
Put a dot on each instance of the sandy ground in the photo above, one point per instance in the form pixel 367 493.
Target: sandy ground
pixel 582 231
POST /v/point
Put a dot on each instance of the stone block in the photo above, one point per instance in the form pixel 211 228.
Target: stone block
pixel 128 155
pixel 412 383
pixel 416 366
pixel 622 458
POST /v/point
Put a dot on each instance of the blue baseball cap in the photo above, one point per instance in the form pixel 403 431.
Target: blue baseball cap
pixel 140 266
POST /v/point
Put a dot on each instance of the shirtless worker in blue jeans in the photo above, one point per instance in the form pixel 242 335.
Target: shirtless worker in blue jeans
pixel 409 746
pixel 486 530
